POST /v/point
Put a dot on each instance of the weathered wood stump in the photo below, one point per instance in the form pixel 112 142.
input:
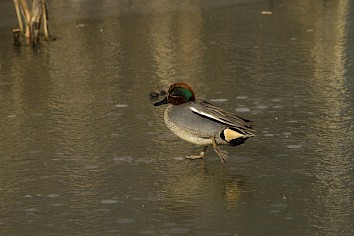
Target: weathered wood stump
pixel 30 18
pixel 16 34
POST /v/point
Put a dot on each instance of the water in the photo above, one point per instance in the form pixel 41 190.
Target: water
pixel 84 152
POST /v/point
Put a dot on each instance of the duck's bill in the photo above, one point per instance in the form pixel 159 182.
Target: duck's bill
pixel 164 101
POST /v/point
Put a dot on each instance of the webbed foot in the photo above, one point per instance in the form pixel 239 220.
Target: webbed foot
pixel 221 153
pixel 191 157
pixel 200 156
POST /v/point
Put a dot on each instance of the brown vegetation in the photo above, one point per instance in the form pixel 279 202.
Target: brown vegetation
pixel 29 19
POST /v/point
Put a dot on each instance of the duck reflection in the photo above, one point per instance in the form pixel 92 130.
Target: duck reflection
pixel 200 189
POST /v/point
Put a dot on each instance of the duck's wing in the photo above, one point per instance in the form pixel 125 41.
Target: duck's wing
pixel 217 114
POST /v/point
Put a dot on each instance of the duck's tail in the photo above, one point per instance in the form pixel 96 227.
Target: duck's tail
pixel 235 136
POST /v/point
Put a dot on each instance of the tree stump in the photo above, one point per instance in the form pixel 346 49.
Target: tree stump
pixel 31 18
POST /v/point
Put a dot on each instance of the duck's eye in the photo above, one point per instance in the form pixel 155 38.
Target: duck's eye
pixel 177 93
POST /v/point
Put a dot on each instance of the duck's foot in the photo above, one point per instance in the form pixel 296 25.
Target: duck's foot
pixel 221 153
pixel 193 157
pixel 200 156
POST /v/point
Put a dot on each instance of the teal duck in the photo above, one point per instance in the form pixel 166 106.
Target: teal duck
pixel 202 123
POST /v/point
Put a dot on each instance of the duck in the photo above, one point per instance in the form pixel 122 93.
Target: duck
pixel 201 123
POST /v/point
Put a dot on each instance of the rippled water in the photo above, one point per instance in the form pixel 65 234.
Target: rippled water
pixel 84 152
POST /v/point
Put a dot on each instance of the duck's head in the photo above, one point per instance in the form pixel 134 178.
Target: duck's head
pixel 178 93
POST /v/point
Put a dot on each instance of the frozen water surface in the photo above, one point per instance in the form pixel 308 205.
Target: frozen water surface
pixel 84 152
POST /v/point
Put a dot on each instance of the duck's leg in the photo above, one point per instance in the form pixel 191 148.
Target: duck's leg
pixel 200 156
pixel 221 153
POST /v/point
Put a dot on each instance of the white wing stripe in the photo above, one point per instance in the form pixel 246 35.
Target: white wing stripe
pixel 206 114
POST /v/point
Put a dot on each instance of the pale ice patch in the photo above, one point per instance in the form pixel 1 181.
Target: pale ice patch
pixel 90 167
pixel 219 100
pixel 294 146
pixel 278 107
pixel 109 201
pixel 262 107
pixel 121 105
pixel 242 109
pixel 241 97
pixel 123 159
